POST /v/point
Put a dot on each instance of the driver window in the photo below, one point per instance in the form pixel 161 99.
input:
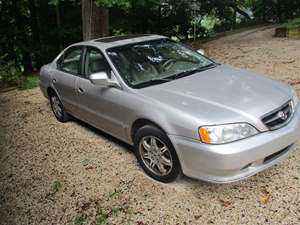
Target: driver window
pixel 96 62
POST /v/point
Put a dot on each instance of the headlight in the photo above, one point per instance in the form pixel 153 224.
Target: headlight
pixel 294 97
pixel 226 133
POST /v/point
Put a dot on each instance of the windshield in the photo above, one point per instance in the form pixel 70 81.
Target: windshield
pixel 147 63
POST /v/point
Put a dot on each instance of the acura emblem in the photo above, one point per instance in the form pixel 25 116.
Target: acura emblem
pixel 282 115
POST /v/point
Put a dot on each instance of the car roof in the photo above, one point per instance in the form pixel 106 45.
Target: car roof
pixel 113 41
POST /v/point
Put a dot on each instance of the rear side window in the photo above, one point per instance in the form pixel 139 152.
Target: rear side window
pixel 71 61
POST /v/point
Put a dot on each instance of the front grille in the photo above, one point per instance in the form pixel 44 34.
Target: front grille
pixel 278 117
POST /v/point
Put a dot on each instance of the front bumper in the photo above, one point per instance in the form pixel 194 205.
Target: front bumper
pixel 43 89
pixel 237 160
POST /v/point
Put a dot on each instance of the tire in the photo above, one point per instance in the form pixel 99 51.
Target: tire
pixel 156 154
pixel 58 108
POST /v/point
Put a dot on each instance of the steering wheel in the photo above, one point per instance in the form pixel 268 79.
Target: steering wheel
pixel 167 64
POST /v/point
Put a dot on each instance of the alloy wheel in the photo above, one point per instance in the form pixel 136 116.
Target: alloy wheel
pixel 156 155
pixel 56 106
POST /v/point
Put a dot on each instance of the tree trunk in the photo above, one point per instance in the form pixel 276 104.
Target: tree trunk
pixel 234 14
pixel 22 40
pixel 35 32
pixel 264 8
pixel 279 12
pixel 95 20
pixel 58 24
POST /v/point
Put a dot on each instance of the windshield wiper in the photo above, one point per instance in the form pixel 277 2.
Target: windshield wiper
pixel 160 79
pixel 152 81
pixel 194 70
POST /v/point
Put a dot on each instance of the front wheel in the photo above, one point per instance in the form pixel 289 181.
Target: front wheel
pixel 156 154
pixel 58 108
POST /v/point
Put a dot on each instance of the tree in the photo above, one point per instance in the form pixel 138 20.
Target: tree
pixel 56 4
pixel 34 24
pixel 95 17
pixel 95 20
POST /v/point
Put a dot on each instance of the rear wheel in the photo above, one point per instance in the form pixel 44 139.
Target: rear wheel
pixel 58 108
pixel 156 154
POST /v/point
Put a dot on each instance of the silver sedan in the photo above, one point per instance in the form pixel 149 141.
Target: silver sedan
pixel 180 110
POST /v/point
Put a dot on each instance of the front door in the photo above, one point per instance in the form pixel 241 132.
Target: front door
pixel 100 106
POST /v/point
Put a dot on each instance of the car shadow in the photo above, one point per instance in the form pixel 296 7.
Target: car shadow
pixel 103 134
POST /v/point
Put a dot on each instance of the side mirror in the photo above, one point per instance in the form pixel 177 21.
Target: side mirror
pixel 201 51
pixel 102 79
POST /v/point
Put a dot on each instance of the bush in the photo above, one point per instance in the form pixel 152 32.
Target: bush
pixel 292 23
pixel 10 71
pixel 12 74
pixel 28 82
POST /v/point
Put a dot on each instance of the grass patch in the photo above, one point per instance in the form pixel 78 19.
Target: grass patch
pixel 78 220
pixel 56 186
pixel 116 193
pixel 295 23
pixel 102 217
pixel 29 82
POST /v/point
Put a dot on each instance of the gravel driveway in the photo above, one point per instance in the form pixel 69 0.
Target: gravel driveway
pixel 55 173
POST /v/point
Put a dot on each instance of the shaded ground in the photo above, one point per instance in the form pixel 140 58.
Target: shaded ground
pixel 54 173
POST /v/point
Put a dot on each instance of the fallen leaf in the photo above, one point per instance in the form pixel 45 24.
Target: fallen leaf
pixel 85 206
pixel 288 61
pixel 265 199
pixel 264 190
pixel 294 82
pixel 140 223
pixel 225 203
pixel 89 168
pixel 197 217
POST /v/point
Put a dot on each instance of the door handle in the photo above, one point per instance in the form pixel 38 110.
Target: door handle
pixel 80 90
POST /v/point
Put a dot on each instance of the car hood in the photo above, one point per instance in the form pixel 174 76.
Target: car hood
pixel 222 94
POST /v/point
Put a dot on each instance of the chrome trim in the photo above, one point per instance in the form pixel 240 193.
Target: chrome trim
pixel 290 108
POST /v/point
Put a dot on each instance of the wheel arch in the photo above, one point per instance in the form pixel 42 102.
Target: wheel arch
pixel 51 89
pixel 139 123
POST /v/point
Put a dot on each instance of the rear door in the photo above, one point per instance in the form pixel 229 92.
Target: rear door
pixel 100 106
pixel 69 67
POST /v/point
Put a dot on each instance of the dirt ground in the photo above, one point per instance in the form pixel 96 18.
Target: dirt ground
pixel 55 173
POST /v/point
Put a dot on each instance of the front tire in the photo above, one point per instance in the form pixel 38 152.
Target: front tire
pixel 58 108
pixel 156 154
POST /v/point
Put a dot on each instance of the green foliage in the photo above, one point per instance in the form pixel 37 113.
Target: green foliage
pixel 10 70
pixel 111 3
pixel 102 217
pixel 78 220
pixel 29 82
pixel 115 211
pixel 56 186
pixel 295 23
pixel 115 193
pixel 209 22
pixel 54 2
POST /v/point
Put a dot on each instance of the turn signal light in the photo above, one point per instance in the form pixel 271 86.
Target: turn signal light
pixel 204 135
